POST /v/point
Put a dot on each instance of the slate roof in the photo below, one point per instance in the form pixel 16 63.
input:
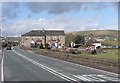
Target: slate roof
pixel 47 32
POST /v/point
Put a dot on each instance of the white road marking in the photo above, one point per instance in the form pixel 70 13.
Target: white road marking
pixel 81 78
pixel 47 68
pixel 103 71
pixel 2 74
pixel 94 77
pixel 108 78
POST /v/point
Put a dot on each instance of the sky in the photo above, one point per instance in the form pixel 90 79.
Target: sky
pixel 21 17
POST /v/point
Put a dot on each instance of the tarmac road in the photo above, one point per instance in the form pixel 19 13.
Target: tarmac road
pixel 20 65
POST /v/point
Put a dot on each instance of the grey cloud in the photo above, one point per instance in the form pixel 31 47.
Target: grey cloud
pixel 10 9
pixel 115 5
pixel 23 26
pixel 62 19
pixel 29 16
pixel 61 7
pixel 60 0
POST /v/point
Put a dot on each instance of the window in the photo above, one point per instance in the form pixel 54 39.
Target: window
pixel 26 38
pixel 33 39
pixel 60 37
pixel 54 38
pixel 48 38
pixel 39 38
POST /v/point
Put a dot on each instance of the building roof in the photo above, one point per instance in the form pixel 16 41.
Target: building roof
pixel 47 32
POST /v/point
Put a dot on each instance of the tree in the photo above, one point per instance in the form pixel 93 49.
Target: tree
pixel 41 46
pixel 68 38
pixel 79 39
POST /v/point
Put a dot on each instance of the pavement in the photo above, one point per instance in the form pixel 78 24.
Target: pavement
pixel 0 55
pixel 20 65
pixel 0 63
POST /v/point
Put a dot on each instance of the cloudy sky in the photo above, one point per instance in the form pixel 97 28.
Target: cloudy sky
pixel 21 17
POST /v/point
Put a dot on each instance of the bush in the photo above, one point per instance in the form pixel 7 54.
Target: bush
pixel 73 51
pixel 94 52
pixel 41 46
pixel 77 52
pixel 4 45
pixel 47 46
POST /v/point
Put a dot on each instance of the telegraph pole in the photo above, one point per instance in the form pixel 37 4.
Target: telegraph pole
pixel 44 37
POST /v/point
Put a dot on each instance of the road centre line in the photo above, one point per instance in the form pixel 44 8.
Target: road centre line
pixel 46 68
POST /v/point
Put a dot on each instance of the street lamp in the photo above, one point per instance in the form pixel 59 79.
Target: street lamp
pixel 44 37
pixel 0 38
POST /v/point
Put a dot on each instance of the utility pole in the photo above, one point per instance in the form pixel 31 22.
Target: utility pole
pixel 44 37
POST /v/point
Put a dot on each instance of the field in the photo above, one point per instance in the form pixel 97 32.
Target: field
pixel 111 54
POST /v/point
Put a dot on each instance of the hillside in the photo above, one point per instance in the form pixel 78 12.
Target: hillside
pixel 98 33
pixel 110 36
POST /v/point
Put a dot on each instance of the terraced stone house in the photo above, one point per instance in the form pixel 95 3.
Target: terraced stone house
pixel 39 36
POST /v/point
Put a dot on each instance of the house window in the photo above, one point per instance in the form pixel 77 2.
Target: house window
pixel 38 38
pixel 33 38
pixel 26 38
pixel 54 38
pixel 60 38
pixel 48 38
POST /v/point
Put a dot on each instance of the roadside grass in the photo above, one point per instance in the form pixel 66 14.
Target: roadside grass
pixel 110 54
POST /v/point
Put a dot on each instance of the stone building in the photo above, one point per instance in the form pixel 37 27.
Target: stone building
pixel 50 37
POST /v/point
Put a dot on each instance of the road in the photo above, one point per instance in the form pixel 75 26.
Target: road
pixel 20 65
pixel 1 65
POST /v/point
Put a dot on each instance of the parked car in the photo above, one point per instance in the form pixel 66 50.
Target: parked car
pixel 8 48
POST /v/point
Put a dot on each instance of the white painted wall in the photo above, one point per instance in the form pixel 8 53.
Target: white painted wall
pixel 96 44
